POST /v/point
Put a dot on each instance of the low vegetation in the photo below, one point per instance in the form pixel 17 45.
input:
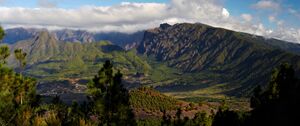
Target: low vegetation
pixel 149 99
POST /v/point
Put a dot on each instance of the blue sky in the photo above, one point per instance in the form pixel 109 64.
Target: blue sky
pixel 237 7
pixel 271 18
pixel 72 3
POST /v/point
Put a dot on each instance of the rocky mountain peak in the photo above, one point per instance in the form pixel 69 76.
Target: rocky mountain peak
pixel 164 26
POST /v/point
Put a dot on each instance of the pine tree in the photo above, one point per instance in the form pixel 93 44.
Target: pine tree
pixel 278 103
pixel 166 121
pixel 110 99
pixel 226 117
pixel 201 119
pixel 178 117
pixel 4 50
pixel 4 54
pixel 21 57
pixel 2 33
pixel 17 93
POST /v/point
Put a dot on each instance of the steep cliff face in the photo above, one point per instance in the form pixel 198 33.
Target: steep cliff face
pixel 40 48
pixel 74 36
pixel 241 58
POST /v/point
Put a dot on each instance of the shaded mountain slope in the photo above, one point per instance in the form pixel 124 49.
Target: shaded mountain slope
pixel 18 34
pixel 241 60
pixel 287 46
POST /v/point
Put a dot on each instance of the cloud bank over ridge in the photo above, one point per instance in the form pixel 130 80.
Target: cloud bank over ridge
pixel 131 17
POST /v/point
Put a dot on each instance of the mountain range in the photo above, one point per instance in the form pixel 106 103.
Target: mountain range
pixel 126 40
pixel 242 60
pixel 183 60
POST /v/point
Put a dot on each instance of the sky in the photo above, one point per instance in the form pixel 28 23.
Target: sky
pixel 270 18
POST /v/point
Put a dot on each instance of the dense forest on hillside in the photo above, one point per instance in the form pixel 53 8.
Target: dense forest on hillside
pixel 110 103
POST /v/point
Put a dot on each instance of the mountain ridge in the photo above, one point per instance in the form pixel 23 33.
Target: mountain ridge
pixel 48 57
pixel 125 40
pixel 196 47
pixel 172 58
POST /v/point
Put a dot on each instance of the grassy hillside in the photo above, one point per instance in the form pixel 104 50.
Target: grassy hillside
pixel 49 59
pixel 149 99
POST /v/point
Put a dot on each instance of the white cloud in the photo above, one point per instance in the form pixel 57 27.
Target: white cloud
pixel 47 3
pixel 247 17
pixel 294 12
pixel 130 17
pixel 280 22
pixel 126 17
pixel 88 17
pixel 225 13
pixel 290 34
pixel 267 5
pixel 272 19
